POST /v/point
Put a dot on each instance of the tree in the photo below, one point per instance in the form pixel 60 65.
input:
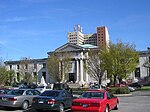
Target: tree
pixel 58 65
pixel 3 75
pixel 53 68
pixel 95 65
pixel 120 59
pixel 26 70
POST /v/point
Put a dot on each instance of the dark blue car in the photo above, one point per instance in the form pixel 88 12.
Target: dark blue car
pixel 57 100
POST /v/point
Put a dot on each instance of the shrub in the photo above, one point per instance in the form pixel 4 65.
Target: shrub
pixel 119 90
pixel 79 91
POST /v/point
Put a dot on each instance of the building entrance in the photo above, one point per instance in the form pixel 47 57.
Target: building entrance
pixel 71 77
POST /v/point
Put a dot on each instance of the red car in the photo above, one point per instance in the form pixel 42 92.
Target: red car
pixel 95 101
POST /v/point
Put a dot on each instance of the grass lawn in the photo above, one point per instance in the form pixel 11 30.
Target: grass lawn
pixel 144 88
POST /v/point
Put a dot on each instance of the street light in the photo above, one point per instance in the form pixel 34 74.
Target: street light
pixel 148 60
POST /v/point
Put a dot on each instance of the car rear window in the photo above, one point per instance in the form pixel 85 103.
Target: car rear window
pixel 92 95
pixel 50 93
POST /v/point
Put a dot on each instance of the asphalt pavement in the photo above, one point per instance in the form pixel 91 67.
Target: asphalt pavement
pixel 139 101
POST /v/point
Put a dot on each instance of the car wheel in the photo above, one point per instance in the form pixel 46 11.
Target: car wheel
pixel 116 107
pixel 25 105
pixel 107 108
pixel 61 108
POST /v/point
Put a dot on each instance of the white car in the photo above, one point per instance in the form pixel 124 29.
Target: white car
pixel 131 88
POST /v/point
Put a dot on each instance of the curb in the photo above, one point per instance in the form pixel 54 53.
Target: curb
pixel 123 94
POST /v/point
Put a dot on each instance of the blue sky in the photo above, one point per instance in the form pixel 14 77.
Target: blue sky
pixel 31 28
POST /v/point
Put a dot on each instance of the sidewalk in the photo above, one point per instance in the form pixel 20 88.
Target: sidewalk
pixel 123 94
pixel 119 95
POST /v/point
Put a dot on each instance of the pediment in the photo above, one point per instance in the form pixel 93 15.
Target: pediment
pixel 68 47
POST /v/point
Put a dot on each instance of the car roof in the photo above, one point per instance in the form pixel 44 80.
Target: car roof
pixel 25 89
pixel 97 90
pixel 55 90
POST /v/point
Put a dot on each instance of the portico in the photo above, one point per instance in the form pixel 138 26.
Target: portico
pixel 78 55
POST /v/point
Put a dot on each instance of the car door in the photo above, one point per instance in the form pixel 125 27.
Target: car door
pixel 110 100
pixel 114 100
pixel 69 98
pixel 29 95
pixel 66 99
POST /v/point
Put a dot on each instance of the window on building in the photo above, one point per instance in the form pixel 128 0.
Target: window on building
pixel 44 65
pixel 137 72
pixel 18 67
pixel 35 66
pixel 26 66
pixel 18 76
pixel 10 67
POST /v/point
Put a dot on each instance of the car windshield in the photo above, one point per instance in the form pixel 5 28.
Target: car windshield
pixel 92 95
pixel 50 93
pixel 16 92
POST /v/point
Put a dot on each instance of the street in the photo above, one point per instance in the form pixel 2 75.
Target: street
pixel 138 102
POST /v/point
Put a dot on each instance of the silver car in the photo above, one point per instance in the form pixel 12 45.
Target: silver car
pixel 18 98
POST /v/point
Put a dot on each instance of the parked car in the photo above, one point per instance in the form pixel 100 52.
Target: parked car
pixel 136 85
pixel 42 88
pixel 62 86
pixel 57 100
pixel 131 89
pixel 95 101
pixel 4 90
pixel 18 98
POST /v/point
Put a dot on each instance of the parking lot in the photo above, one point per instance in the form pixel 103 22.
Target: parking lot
pixel 138 102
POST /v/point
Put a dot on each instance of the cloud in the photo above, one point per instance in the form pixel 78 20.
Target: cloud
pixel 15 19
pixel 132 20
pixel 7 45
pixel 18 19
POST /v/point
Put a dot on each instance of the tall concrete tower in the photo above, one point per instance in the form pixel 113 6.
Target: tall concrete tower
pixel 102 36
pixel 76 37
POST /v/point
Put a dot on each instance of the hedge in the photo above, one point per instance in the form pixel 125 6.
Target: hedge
pixel 119 90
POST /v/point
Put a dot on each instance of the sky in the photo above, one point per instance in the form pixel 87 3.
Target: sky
pixel 31 28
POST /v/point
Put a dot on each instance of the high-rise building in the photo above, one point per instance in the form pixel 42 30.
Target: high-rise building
pixel 100 38
pixel 76 37
pixel 90 39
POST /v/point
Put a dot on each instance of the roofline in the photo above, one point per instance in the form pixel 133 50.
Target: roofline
pixel 32 61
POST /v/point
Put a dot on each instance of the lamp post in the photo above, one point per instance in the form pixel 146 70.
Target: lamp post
pixel 148 63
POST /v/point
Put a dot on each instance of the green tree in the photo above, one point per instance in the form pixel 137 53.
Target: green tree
pixel 53 68
pixel 120 60
pixel 94 65
pixel 3 75
pixel 10 76
pixel 59 65
pixel 26 70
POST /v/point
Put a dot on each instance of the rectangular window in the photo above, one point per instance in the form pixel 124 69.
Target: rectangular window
pixel 10 67
pixel 18 76
pixel 35 66
pixel 137 72
pixel 44 65
pixel 26 66
pixel 18 67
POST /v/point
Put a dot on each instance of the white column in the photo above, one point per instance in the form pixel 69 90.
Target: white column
pixel 81 71
pixel 87 75
pixel 77 71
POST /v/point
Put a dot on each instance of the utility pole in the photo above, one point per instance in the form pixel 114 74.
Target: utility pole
pixel 148 49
